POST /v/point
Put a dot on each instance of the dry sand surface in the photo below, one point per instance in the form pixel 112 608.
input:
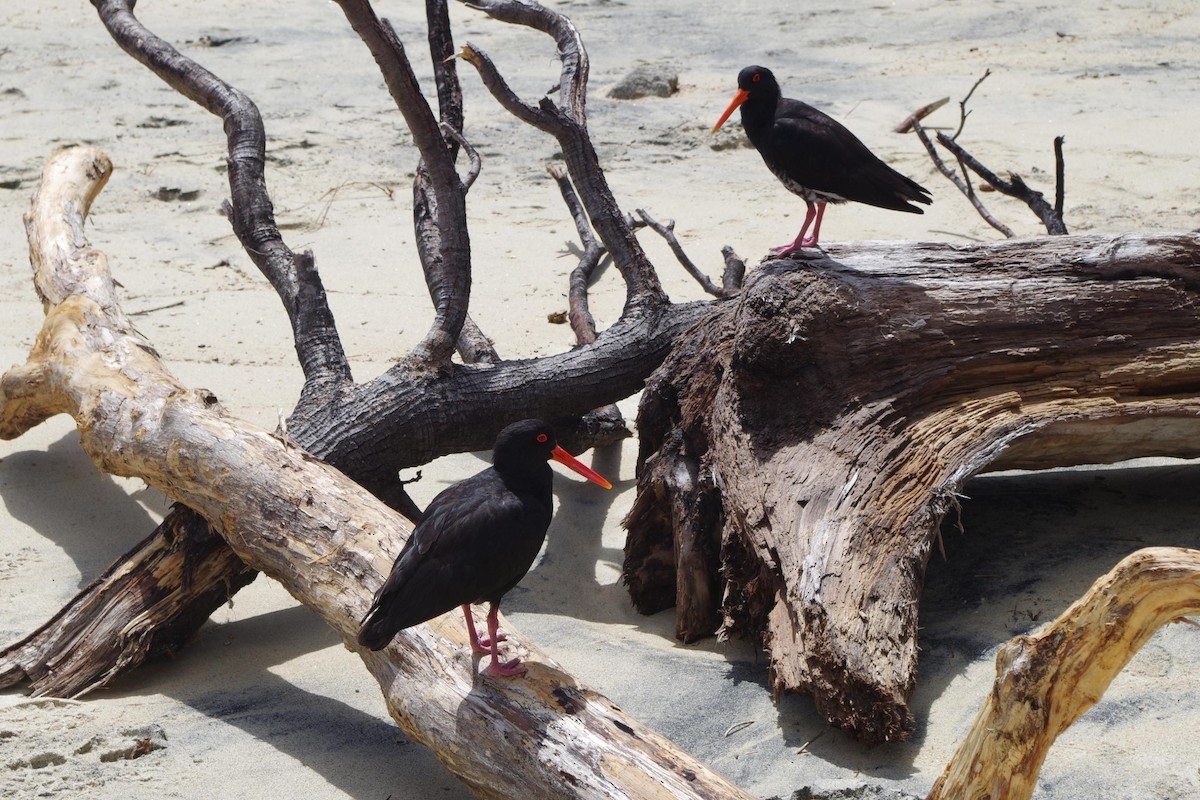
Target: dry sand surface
pixel 266 703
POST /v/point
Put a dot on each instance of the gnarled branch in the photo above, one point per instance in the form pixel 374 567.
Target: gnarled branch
pixel 1045 681
pixel 293 276
pixel 326 540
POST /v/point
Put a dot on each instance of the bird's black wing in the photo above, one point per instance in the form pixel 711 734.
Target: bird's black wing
pixel 459 553
pixel 821 154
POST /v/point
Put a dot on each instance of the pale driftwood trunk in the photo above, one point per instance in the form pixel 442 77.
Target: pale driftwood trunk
pixel 803 444
pixel 1046 681
pixel 327 540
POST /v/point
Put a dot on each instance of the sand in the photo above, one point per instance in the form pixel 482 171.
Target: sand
pixel 266 702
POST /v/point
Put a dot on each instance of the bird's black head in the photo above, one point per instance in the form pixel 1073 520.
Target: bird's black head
pixel 527 440
pixel 758 81
pixel 757 96
pixel 524 447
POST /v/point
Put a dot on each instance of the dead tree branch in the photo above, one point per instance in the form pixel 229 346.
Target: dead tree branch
pixel 582 322
pixel 735 271
pixel 1051 216
pixel 566 121
pixel 293 277
pixel 667 232
pixel 606 423
pixel 962 183
pixel 1015 186
pixel 308 526
pixel 1044 682
pixel 1060 170
pixel 449 274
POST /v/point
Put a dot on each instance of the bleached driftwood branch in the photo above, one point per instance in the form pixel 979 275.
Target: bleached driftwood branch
pixel 328 541
pixel 1046 681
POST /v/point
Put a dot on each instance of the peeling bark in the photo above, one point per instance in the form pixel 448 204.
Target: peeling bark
pixel 829 417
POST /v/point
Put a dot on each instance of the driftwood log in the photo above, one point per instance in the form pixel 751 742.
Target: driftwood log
pixel 800 448
pixel 1044 682
pixel 327 540
pixel 153 598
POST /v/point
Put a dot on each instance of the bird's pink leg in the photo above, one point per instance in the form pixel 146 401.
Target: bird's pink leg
pixel 500 668
pixel 480 646
pixel 816 234
pixel 815 211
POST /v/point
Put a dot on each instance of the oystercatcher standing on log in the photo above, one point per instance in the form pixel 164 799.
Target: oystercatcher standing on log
pixel 815 156
pixel 476 541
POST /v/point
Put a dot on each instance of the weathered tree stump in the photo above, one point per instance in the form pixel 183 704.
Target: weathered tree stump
pixel 803 444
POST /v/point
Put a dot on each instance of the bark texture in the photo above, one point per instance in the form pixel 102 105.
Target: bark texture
pixel 802 444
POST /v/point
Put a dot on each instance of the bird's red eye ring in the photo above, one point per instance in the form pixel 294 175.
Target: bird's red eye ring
pixel 757 77
pixel 542 438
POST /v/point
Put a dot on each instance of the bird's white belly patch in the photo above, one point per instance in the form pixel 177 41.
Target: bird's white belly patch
pixel 810 195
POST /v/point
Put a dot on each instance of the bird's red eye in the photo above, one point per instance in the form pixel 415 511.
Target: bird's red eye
pixel 757 77
pixel 542 438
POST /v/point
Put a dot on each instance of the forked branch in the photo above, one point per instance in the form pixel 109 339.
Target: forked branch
pixel 1051 216
pixel 294 277
pixel 448 273
pixel 667 232
pixel 567 122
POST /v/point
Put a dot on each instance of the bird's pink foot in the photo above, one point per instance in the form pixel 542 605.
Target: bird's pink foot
pixel 499 668
pixel 505 669
pixel 481 645
pixel 791 247
pixel 487 644
pixel 816 213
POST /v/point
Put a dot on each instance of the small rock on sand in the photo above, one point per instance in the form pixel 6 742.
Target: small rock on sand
pixel 647 81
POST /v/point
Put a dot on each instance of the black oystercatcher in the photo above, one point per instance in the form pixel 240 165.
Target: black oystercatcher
pixel 476 541
pixel 815 156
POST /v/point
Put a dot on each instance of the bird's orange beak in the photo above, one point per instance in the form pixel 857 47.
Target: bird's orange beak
pixel 738 99
pixel 568 460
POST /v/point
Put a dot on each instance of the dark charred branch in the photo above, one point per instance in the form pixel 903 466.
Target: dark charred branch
pixel 1051 216
pixel 667 232
pixel 567 122
pixel 582 322
pixel 448 276
pixel 961 182
pixel 1060 171
pixel 606 424
pixel 735 271
pixel 473 345
pixel 251 213
pixel 445 66
pixel 1015 186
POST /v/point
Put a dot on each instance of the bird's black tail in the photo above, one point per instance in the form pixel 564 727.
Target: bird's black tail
pixel 375 632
